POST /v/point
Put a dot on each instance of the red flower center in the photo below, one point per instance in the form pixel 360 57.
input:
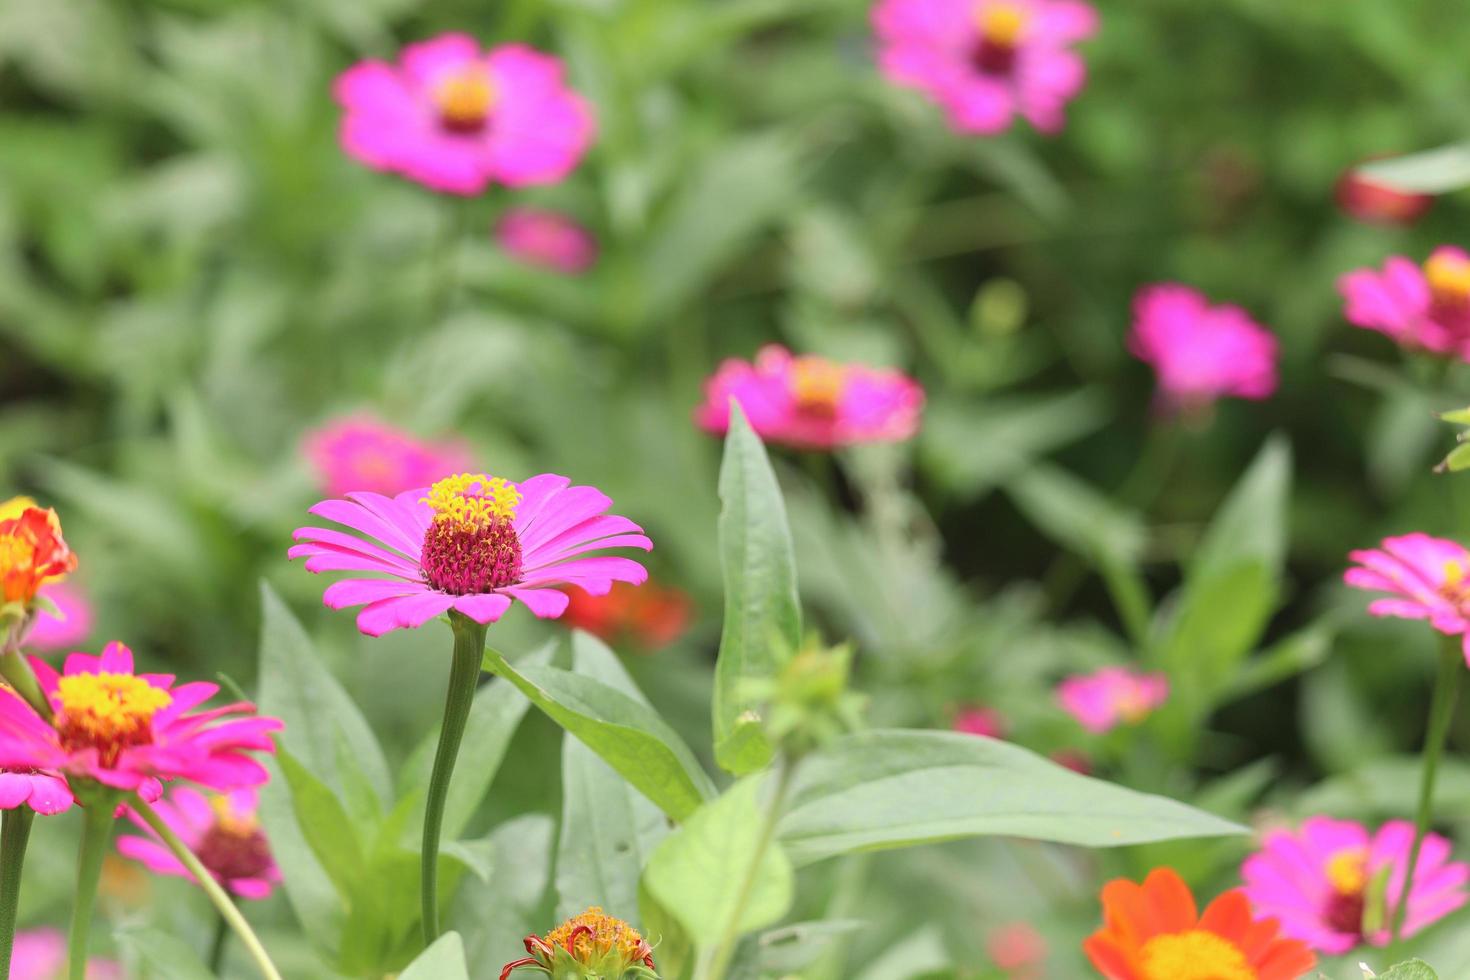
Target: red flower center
pixel 233 848
pixel 1000 27
pixel 1347 871
pixel 471 546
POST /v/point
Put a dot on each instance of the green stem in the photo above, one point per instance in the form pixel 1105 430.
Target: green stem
pixel 15 831
pixel 464 674
pixel 217 945
pixel 96 833
pixel 15 669
pixel 718 962
pixel 1441 712
pixel 211 886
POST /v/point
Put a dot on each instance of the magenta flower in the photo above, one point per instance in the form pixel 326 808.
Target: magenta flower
pixel 1102 700
pixel 128 730
pixel 456 119
pixel 812 403
pixel 1332 884
pixel 44 792
pixel 472 543
pixel 547 239
pixel 984 61
pixel 1424 308
pixel 1426 577
pixel 222 831
pixel 49 632
pixel 40 954
pixel 1201 352
pixel 973 720
pixel 361 453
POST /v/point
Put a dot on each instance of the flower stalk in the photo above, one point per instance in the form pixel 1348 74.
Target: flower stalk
pixel 212 888
pixel 15 833
pixel 19 675
pixel 99 820
pixel 464 675
pixel 1441 712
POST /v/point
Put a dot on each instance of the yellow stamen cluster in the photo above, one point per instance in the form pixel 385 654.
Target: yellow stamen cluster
pixel 107 709
pixel 607 933
pixel 1347 870
pixel 1449 277
pixel 817 384
pixel 465 99
pixel 1194 955
pixel 473 501
pixel 1001 23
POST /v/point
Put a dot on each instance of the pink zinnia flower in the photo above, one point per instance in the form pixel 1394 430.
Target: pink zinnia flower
pixel 1369 201
pixel 455 118
pixel 1103 699
pixel 812 403
pixel 44 792
pixel 984 61
pixel 40 954
pixel 222 831
pixel 128 730
pixel 472 543
pixel 361 453
pixel 1424 308
pixel 51 633
pixel 1201 352
pixel 1333 885
pixel 546 238
pixel 1426 576
pixel 974 720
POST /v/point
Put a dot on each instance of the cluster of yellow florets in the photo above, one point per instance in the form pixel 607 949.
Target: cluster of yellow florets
pixel 107 709
pixel 473 500
pixel 594 932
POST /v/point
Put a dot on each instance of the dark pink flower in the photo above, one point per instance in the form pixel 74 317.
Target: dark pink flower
pixel 984 61
pixel 812 403
pixel 1426 578
pixel 1201 352
pixel 50 632
pixel 975 720
pixel 222 831
pixel 361 453
pixel 1110 696
pixel 1424 308
pixel 546 238
pixel 456 119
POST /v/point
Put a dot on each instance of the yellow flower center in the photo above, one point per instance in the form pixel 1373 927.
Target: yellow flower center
pixel 465 99
pixel 817 384
pixel 1001 24
pixel 16 553
pixel 1347 870
pixel 1449 278
pixel 107 712
pixel 473 501
pixel 14 507
pixel 597 933
pixel 1193 955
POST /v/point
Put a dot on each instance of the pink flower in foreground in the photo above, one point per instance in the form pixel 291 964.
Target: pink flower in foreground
pixel 1201 352
pixel 984 61
pixel 1426 577
pixel 973 720
pixel 1424 308
pixel 128 730
pixel 222 831
pixel 812 403
pixel 51 633
pixel 456 119
pixel 44 792
pixel 361 453
pixel 1333 885
pixel 1112 695
pixel 40 954
pixel 472 543
pixel 546 238
pixel 1369 201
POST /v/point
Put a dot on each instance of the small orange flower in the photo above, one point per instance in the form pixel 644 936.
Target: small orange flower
pixel 651 616
pixel 32 550
pixel 594 941
pixel 1153 932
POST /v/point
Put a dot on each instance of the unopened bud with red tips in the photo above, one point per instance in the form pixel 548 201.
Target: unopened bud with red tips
pixel 589 946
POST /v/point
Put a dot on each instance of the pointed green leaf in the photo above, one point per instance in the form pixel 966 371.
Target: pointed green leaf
pixel 1409 970
pixel 1437 171
pixel 325 825
pixel 442 961
pixel 1251 523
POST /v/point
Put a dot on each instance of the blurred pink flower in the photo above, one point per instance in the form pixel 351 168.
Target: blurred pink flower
pixel 1073 759
pixel 362 454
pixel 812 403
pixel 1018 949
pixel 1201 352
pixel 456 119
pixel 547 239
pixel 473 543
pixel 1424 308
pixel 975 720
pixel 49 633
pixel 1104 698
pixel 1369 201
pixel 1425 575
pixel 222 831
pixel 44 792
pixel 984 61
pixel 1332 885
pixel 40 954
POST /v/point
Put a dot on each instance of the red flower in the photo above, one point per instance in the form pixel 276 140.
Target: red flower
pixel 32 550
pixel 652 616
pixel 1378 204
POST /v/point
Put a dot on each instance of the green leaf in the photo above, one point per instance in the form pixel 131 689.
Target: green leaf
pixel 608 828
pixel 1457 460
pixel 1251 523
pixel 442 961
pixel 1222 615
pixel 495 916
pixel 627 734
pixel 326 826
pixel 698 872
pixel 762 613
pixel 665 934
pixel 1076 515
pixel 1409 970
pixel 884 789
pixel 1436 171
pixel 164 954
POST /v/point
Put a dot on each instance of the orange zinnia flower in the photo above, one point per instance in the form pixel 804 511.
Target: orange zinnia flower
pixel 1153 932
pixel 32 551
